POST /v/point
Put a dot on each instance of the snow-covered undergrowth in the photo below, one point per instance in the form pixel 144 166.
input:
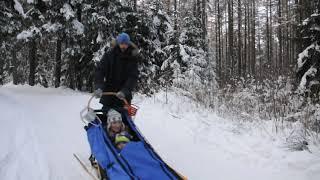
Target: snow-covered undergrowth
pixel 40 130
pixel 277 101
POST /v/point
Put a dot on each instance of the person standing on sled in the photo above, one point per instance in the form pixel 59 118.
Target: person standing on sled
pixel 117 72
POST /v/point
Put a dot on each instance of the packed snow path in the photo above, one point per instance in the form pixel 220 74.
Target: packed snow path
pixel 40 130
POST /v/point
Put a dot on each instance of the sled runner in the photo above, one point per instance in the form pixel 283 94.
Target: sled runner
pixel 85 167
pixel 136 161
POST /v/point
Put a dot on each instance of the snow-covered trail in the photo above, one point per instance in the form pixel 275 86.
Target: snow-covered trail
pixel 40 130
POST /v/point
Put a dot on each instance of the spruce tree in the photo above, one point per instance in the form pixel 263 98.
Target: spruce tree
pixel 309 60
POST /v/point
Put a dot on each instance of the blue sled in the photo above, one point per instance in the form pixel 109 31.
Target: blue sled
pixel 136 161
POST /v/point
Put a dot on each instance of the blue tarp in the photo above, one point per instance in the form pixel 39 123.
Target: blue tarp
pixel 104 155
pixel 143 164
pixel 136 160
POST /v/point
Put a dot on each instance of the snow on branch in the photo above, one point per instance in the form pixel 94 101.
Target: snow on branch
pixel 304 55
pixel 67 11
pixel 18 7
pixel 51 28
pixel 78 26
pixel 25 35
pixel 310 73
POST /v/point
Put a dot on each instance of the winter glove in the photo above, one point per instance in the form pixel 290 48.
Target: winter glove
pixel 121 95
pixel 97 93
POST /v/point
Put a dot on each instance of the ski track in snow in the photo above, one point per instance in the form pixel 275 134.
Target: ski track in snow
pixel 41 129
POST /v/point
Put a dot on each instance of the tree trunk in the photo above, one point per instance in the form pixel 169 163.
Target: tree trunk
pixel 226 67
pixel 280 59
pixel 204 25
pixel 14 67
pixel 253 39
pixel 239 39
pixel 230 55
pixel 76 63
pixel 271 36
pixel 58 63
pixel 71 73
pixel 168 6
pixel 259 54
pixel 175 16
pixel 219 42
pixel 32 61
pixel 135 5
pixel 245 54
pixel 268 43
pixel 1 71
pixel 198 8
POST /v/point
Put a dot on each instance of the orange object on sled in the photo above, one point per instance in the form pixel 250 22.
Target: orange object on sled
pixel 132 110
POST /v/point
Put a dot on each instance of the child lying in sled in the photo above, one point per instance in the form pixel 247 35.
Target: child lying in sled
pixel 116 128
pixel 121 141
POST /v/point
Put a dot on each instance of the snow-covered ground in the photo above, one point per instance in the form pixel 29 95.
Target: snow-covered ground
pixel 41 129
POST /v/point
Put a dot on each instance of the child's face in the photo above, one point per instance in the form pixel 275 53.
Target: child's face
pixel 116 126
pixel 121 145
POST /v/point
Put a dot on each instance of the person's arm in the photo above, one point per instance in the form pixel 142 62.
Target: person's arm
pixel 133 77
pixel 100 72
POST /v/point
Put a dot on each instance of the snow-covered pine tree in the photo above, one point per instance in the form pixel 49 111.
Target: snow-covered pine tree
pixel 161 39
pixel 187 59
pixel 5 15
pixel 153 27
pixel 10 70
pixel 309 60
pixel 165 44
pixel 29 39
